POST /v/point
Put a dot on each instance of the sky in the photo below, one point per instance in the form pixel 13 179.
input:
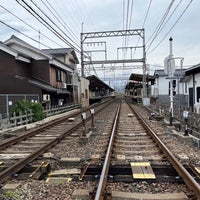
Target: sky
pixel 71 17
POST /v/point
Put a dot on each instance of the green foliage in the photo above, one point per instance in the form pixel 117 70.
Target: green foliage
pixel 13 195
pixel 24 107
pixel 38 111
pixel 21 106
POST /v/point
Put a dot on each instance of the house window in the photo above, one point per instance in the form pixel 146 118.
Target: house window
pixel 198 94
pixel 58 75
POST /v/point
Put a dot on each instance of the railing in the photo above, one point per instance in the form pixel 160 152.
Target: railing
pixel 61 109
pixel 21 119
pixel 26 118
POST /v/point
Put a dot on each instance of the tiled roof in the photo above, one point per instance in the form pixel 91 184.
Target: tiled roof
pixel 58 51
pixel 161 72
pixel 193 70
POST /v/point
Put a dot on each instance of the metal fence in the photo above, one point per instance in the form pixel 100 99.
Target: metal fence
pixel 58 109
pixel 7 101
pixel 7 121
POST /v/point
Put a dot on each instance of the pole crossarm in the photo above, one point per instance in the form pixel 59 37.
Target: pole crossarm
pixel 112 61
pixel 139 32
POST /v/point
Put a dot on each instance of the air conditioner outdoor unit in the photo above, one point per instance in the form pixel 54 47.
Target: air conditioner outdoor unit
pixel 63 85
pixel 46 97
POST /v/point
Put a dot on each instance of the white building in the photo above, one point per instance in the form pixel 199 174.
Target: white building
pixel 192 81
pixel 161 88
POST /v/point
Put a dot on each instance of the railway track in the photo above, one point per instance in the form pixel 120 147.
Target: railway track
pixel 133 141
pixel 16 153
pixel 91 170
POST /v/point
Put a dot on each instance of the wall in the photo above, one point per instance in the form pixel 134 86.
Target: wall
pixel 40 70
pixel 7 64
pixel 84 95
pixel 162 88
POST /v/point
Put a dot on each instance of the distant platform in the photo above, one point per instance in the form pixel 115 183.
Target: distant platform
pixel 93 100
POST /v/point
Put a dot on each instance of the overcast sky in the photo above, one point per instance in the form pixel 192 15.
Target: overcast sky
pixel 108 15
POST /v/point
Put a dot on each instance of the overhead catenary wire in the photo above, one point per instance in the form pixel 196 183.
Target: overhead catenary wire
pixel 145 19
pixel 129 21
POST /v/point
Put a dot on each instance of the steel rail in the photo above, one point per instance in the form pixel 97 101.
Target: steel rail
pixel 104 172
pixel 5 174
pixel 188 179
pixel 36 130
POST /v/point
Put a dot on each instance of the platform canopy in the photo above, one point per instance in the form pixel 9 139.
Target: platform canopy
pixel 139 78
pixel 96 83
pixel 136 80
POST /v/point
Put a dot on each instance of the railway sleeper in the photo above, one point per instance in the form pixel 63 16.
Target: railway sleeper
pixel 36 172
pixel 123 173
pixel 146 196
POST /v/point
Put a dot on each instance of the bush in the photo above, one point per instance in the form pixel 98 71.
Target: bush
pixel 25 106
pixel 38 112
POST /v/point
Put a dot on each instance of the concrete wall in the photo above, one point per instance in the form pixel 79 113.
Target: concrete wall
pixel 84 92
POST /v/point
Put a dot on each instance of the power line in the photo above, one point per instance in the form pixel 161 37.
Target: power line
pixel 46 24
pixel 73 18
pixel 156 32
pixel 28 25
pixel 162 20
pixel 86 18
pixel 147 13
pixel 53 22
pixel 171 27
pixel 59 18
pixel 170 16
pixel 22 33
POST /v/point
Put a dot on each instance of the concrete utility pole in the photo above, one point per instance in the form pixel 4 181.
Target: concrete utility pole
pixel 82 64
pixel 171 87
